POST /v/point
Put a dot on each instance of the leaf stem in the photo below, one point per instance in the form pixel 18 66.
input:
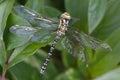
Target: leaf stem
pixel 4 72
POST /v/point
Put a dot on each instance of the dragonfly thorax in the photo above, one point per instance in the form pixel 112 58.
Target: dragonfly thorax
pixel 64 20
pixel 66 16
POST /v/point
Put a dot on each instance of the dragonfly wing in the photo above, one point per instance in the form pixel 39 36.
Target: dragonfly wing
pixel 92 42
pixel 76 42
pixel 22 30
pixel 36 35
pixel 73 48
pixel 86 40
pixel 35 18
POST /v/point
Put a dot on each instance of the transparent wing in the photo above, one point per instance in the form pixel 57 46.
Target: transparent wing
pixel 76 42
pixel 22 30
pixel 92 42
pixel 26 33
pixel 83 40
pixel 73 48
pixel 35 18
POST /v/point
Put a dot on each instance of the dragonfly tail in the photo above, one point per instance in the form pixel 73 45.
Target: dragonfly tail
pixel 44 66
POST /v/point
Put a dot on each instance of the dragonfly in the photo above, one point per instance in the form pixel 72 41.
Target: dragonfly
pixel 73 40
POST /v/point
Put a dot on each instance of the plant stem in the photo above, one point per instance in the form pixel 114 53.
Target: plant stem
pixel 4 72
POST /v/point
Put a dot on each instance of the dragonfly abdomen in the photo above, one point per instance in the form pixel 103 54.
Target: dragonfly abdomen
pixel 49 54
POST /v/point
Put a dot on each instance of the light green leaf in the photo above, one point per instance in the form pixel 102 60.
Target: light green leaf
pixel 70 74
pixel 5 9
pixel 108 28
pixel 112 75
pixel 107 60
pixel 96 12
pixel 111 20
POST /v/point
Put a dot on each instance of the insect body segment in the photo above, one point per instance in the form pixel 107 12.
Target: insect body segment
pixel 62 28
pixel 64 20
pixel 49 54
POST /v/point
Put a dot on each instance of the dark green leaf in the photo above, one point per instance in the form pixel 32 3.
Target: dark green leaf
pixel 1 1
pixel 68 60
pixel 5 9
pixel 21 53
pixel 40 39
pixel 40 56
pixel 78 9
pixel 11 39
pixel 96 12
pixel 33 64
pixel 52 12
pixel 24 71
pixel 37 5
pixel 43 9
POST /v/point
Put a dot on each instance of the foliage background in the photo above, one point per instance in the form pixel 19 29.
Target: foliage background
pixel 100 18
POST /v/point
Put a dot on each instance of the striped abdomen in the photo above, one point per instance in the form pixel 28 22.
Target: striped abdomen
pixel 49 54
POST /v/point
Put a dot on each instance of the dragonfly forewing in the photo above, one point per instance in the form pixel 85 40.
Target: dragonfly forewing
pixel 22 30
pixel 92 42
pixel 34 34
pixel 35 18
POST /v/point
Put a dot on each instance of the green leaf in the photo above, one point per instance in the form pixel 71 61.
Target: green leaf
pixel 96 13
pixel 111 20
pixel 68 59
pixel 14 19
pixel 19 36
pixel 1 1
pixel 33 63
pixel 107 60
pixel 78 9
pixel 5 9
pixel 35 4
pixel 21 53
pixel 70 74
pixel 24 71
pixel 37 40
pixel 112 75
pixel 50 10
pixel 43 9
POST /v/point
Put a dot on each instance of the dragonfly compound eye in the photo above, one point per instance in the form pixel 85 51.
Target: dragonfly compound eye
pixel 66 15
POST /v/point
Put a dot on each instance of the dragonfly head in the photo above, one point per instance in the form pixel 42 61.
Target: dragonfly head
pixel 66 16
